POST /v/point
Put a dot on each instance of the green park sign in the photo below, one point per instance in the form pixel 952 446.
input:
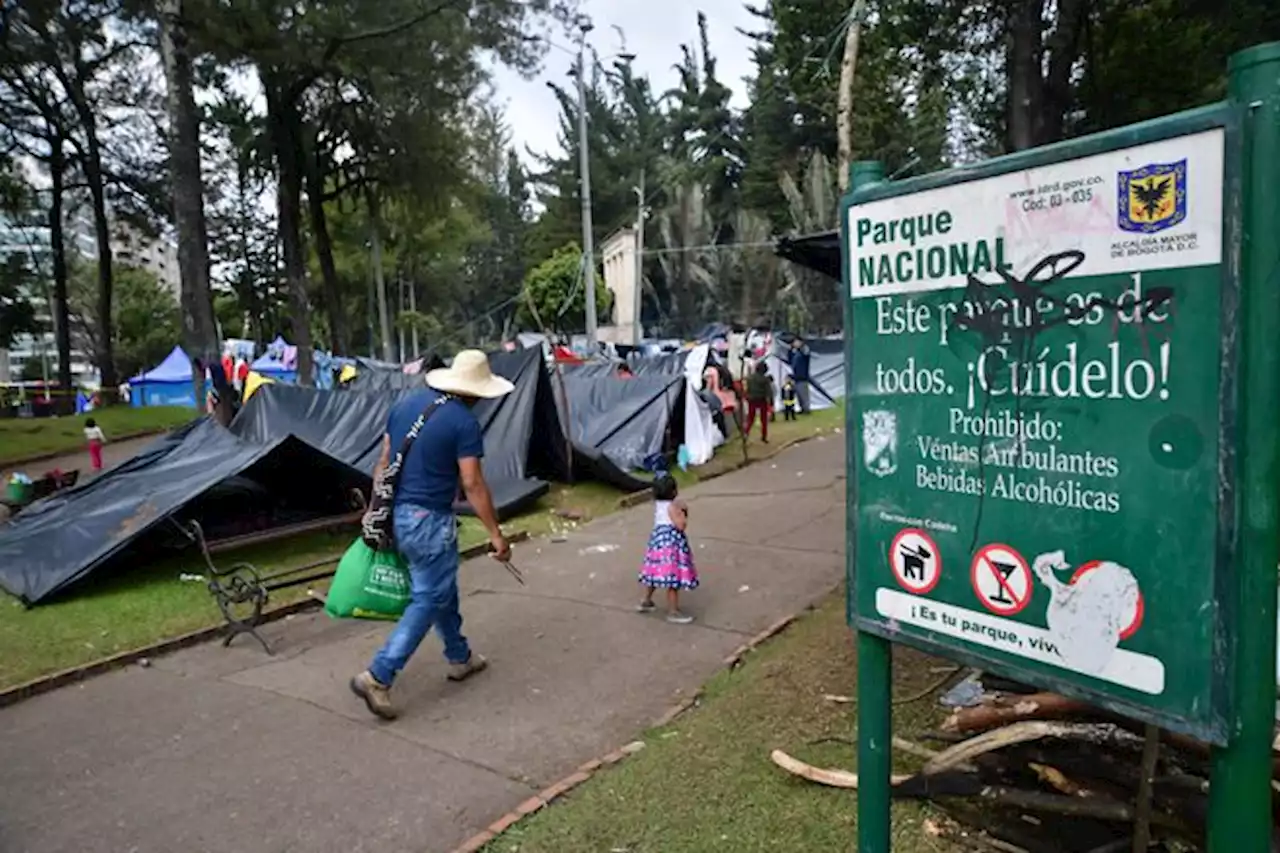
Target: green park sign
pixel 1052 370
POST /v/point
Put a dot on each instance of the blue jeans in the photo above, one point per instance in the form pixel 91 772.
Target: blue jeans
pixel 428 540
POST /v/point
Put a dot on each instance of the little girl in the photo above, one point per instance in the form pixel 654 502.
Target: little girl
pixel 93 435
pixel 668 562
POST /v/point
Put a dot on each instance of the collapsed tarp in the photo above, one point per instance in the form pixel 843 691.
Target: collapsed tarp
pixel 202 471
pixel 296 453
pixel 819 252
pixel 166 384
pixel 625 420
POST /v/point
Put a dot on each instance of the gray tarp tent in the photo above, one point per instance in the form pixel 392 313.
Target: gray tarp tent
pixel 292 454
pixel 349 425
pixel 201 471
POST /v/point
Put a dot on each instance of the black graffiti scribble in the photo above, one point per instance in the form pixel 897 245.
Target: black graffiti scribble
pixel 1015 311
pixel 1029 296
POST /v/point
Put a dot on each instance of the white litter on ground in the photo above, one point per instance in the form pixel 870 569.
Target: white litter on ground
pixel 599 549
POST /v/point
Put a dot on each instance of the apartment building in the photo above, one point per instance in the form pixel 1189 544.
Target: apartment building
pixel 130 248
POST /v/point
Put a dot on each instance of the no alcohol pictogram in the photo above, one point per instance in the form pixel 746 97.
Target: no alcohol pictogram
pixel 915 560
pixel 1001 579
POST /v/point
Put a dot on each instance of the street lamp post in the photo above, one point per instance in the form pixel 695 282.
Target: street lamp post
pixel 637 333
pixel 588 247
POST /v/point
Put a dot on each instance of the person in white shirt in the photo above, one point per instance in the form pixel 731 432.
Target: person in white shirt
pixel 94 435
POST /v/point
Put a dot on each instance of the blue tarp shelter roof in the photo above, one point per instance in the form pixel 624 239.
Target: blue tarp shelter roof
pixel 176 367
pixel 267 364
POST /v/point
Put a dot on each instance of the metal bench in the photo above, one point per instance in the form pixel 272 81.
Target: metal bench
pixel 241 591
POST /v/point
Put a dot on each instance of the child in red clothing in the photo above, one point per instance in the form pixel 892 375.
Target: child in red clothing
pixel 93 435
pixel 759 399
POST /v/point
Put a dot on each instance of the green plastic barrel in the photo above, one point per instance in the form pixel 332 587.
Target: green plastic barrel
pixel 18 492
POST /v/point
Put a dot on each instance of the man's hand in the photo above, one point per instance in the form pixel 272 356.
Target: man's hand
pixel 501 548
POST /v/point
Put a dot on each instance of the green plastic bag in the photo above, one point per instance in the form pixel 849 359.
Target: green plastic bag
pixel 369 584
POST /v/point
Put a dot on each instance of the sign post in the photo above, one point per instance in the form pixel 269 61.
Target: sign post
pixel 1240 792
pixel 1062 418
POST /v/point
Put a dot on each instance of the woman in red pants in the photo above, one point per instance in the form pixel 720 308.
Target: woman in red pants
pixel 759 399
pixel 93 434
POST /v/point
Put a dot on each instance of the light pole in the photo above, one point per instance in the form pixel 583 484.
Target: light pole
pixel 584 159
pixel 637 333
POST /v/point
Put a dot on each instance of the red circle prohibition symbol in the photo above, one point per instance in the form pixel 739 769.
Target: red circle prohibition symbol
pixel 1138 612
pixel 899 574
pixel 1006 602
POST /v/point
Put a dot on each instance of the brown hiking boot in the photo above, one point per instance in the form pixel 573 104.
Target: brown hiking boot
pixel 376 695
pixel 463 671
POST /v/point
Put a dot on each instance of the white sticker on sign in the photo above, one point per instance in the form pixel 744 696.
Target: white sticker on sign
pixel 1152 206
pixel 1128 669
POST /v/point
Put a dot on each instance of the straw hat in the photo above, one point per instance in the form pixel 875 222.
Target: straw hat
pixel 469 376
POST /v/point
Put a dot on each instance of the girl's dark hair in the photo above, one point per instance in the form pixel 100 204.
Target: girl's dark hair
pixel 90 423
pixel 665 488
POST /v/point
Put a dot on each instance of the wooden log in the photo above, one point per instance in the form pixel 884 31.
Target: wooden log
pixel 1021 732
pixel 1011 709
pixel 821 775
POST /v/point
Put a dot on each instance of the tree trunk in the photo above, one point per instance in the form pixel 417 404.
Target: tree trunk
pixel 102 234
pixel 1063 47
pixel 284 127
pixel 413 309
pixel 1025 83
pixel 339 332
pixel 379 283
pixel 844 107
pixel 401 352
pixel 58 249
pixel 248 291
pixel 199 332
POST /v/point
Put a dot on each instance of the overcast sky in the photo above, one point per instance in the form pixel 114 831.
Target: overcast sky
pixel 654 31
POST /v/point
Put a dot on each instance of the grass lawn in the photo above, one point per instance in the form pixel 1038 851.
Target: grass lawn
pixel 730 456
pixel 23 438
pixel 705 782
pixel 148 603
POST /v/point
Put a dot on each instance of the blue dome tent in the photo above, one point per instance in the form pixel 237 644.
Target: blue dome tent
pixel 273 365
pixel 166 384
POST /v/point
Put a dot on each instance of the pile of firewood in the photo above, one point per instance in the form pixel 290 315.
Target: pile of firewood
pixel 1040 773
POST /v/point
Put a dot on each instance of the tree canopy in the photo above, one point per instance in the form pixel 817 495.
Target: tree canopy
pixel 353 182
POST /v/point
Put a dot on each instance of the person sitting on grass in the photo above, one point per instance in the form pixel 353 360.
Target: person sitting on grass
pixel 668 561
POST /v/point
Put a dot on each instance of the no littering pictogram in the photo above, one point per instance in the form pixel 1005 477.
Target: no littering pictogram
pixel 916 563
pixel 1135 621
pixel 1001 579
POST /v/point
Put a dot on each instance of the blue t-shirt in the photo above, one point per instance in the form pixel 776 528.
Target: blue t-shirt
pixel 429 477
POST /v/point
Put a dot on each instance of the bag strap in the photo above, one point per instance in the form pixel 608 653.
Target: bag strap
pixel 393 470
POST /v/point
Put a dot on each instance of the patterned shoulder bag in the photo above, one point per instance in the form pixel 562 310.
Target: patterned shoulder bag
pixel 376 528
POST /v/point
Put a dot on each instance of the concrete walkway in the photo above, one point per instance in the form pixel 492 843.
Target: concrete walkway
pixel 231 751
pixel 113 453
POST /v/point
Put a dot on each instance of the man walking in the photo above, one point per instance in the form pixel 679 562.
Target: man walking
pixel 445 455
pixel 799 361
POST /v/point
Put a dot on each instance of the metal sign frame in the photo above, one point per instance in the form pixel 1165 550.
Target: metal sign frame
pixel 1239 690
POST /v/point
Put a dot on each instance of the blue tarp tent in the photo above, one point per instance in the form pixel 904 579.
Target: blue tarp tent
pixel 166 384
pixel 272 365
